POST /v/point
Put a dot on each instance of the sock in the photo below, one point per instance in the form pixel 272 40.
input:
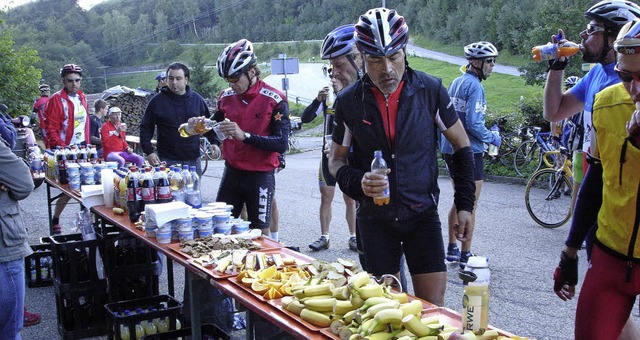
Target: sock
pixel 55 220
pixel 452 246
pixel 353 235
pixel 325 236
pixel 274 235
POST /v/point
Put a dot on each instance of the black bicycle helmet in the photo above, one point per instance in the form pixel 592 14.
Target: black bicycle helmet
pixel 70 68
pixel 236 59
pixel 338 42
pixel 480 50
pixel 44 88
pixel 613 14
pixel 381 32
pixel 571 81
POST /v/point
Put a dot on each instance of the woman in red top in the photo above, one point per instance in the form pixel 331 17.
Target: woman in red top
pixel 114 141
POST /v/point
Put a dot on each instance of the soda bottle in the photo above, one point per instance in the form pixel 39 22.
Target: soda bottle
pixel 198 129
pixel 148 190
pixel 552 51
pixel 133 195
pixel 193 195
pixel 83 155
pixel 177 185
pixel 379 166
pixel 72 155
pixel 163 187
pixel 61 161
pixel 93 154
pixel 493 150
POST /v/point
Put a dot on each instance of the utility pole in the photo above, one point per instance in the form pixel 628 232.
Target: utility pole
pixel 104 69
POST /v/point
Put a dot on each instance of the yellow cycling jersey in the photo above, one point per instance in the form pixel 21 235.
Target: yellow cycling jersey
pixel 617 217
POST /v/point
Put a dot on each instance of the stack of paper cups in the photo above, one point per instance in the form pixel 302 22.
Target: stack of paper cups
pixel 107 186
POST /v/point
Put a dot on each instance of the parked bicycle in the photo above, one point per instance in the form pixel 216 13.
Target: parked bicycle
pixel 296 124
pixel 508 147
pixel 206 154
pixel 528 156
pixel 547 195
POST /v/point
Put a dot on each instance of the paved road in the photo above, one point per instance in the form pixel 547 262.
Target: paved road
pixel 522 254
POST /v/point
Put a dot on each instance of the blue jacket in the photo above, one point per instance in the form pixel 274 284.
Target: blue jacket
pixel 166 112
pixel 467 97
pixel 413 180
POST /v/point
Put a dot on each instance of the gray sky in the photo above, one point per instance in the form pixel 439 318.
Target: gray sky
pixel 86 4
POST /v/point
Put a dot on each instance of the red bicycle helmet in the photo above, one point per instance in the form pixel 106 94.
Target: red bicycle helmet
pixel 381 32
pixel 70 68
pixel 236 59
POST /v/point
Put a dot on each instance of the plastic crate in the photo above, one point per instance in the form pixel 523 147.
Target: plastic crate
pixel 166 308
pixel 81 312
pixel 38 266
pixel 74 262
pixel 208 332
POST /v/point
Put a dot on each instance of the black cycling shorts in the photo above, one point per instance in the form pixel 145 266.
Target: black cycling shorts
pixel 478 170
pixel 251 188
pixel 324 176
pixel 383 241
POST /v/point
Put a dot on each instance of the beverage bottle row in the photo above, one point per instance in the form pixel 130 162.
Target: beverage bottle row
pixel 146 327
pixel 150 188
pixel 46 267
pixel 72 154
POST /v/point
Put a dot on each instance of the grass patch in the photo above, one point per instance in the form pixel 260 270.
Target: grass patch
pixel 505 58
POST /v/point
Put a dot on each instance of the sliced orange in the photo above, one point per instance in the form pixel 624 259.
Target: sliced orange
pixel 259 287
pixel 247 281
pixel 272 293
pixel 268 273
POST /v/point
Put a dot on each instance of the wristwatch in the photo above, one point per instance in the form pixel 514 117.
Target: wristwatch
pixel 247 136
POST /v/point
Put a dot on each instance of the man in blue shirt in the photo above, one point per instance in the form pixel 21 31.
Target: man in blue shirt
pixel 468 99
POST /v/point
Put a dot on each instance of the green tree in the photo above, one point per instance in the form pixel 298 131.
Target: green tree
pixel 200 79
pixel 20 77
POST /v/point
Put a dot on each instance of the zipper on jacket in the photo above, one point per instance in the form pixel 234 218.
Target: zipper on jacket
pixel 390 142
pixel 634 237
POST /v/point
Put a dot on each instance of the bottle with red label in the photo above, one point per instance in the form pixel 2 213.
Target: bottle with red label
pixel 163 187
pixel 61 166
pixel 133 195
pixel 147 188
pixel 72 155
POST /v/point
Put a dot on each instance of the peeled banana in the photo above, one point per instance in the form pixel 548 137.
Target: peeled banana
pixel 315 318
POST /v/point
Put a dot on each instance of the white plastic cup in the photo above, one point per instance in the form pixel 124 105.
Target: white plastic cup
pixel 106 176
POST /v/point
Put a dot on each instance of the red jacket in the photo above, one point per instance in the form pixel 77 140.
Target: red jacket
pixel 111 140
pixel 38 107
pixel 60 112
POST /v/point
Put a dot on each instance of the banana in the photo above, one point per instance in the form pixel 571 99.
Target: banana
pixel 430 320
pixel 286 301
pixel 488 335
pixel 405 337
pixel 315 290
pixel 375 309
pixel 401 297
pixel 414 307
pixel 315 318
pixel 369 324
pixel 373 301
pixel 295 307
pixel 315 297
pixel 430 337
pixel 359 280
pixel 118 211
pixel 356 300
pixel 383 335
pixel 385 316
pixel 348 317
pixel 320 304
pixel 413 324
pixel 336 326
pixel 356 336
pixel 341 293
pixel 342 307
pixel 369 290
pixel 347 332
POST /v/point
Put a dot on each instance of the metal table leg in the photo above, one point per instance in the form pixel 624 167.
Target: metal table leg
pixel 170 276
pixel 194 308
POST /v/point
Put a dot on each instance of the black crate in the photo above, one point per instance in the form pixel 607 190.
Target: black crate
pixel 166 308
pixel 125 254
pixel 208 332
pixel 38 266
pixel 74 262
pixel 81 312
pixel 129 286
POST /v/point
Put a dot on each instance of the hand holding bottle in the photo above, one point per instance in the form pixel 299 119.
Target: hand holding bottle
pixel 557 50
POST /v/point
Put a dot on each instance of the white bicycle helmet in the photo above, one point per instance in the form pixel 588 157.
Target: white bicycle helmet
pixel 236 59
pixel 70 68
pixel 628 41
pixel 571 81
pixel 44 88
pixel 613 14
pixel 480 50
pixel 381 32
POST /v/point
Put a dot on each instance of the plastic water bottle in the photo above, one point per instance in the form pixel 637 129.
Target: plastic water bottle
pixel 552 51
pixel 186 178
pixel 493 149
pixel 379 166
pixel 199 128
pixel 194 195
pixel 177 184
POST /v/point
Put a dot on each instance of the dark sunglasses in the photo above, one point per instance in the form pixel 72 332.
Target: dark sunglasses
pixel 232 80
pixel 490 60
pixel 593 29
pixel 626 76
pixel 71 81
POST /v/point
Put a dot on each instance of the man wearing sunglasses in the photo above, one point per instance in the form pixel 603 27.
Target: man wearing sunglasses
pixel 610 287
pixel 67 116
pixel 606 20
pixel 467 96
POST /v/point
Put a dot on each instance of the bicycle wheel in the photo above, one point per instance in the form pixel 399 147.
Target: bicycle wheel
pixel 548 198
pixel 204 160
pixel 527 158
pixel 294 144
pixel 508 148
